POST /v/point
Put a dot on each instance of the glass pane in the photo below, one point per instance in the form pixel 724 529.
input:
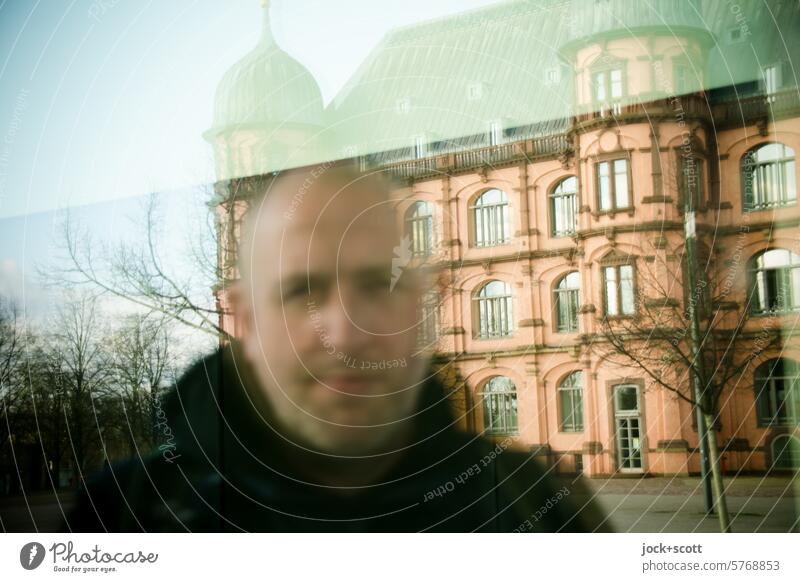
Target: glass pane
pixel 626 289
pixel 621 183
pixel 760 293
pixel 574 305
pixel 504 226
pixel 599 86
pixel 573 280
pixel 604 183
pixel 611 291
pixel 791 181
pixel 566 410
pixel 626 399
pixel 616 83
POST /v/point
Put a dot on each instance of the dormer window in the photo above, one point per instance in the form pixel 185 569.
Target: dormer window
pixel 495 133
pixel 607 84
pixel 772 78
pixel 402 105
pixel 420 147
pixel 474 91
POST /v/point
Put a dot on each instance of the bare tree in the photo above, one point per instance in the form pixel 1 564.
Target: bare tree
pixel 657 340
pixel 13 340
pixel 142 362
pixel 78 363
pixel 138 272
pixel 11 354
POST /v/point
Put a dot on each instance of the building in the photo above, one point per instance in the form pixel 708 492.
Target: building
pixel 549 150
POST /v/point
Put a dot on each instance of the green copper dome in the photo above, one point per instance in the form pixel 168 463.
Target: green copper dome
pixel 266 89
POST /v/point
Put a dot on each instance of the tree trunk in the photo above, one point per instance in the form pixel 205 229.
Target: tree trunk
pixel 720 503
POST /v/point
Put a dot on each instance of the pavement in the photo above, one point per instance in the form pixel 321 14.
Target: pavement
pixel 676 504
pixel 647 504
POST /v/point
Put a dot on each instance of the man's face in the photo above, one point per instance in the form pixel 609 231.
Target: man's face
pixel 329 332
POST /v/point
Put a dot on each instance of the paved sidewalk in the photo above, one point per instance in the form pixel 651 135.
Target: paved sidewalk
pixel 650 504
pixel 663 504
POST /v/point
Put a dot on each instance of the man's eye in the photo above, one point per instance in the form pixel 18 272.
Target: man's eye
pixel 295 293
pixel 376 285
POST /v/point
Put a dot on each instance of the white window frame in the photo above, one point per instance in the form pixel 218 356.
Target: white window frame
pixel 490 220
pixel 567 299
pixel 564 208
pixel 494 313
pixel 504 400
pixel 619 291
pixel 570 395
pixel 419 228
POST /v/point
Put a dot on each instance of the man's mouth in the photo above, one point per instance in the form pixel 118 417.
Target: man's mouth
pixel 355 384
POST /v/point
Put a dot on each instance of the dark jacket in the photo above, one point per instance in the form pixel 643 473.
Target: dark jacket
pixel 220 467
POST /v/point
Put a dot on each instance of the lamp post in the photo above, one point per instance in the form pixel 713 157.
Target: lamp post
pixel 690 238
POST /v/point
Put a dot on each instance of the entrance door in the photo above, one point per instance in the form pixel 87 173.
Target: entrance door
pixel 628 428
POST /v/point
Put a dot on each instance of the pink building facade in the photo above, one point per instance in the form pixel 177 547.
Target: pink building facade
pixel 541 240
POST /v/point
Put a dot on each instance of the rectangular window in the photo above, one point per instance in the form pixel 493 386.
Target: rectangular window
pixel 619 290
pixel 612 185
pixel 608 84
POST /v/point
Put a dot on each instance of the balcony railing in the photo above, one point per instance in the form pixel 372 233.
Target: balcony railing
pixel 731 111
pixel 778 105
pixel 549 145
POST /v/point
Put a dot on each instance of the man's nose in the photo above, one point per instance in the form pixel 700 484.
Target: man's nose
pixel 342 323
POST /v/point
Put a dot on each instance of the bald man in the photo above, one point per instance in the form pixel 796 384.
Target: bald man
pixel 324 415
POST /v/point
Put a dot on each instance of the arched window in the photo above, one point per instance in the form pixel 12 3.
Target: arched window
pixel 419 228
pixel 570 399
pixel 500 406
pixel 567 300
pixel 768 177
pixel 493 310
pixel 564 207
pixel 777 392
pixel 490 219
pixel 785 451
pixel 775 280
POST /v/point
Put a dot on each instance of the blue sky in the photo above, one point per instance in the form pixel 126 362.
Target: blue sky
pixel 107 99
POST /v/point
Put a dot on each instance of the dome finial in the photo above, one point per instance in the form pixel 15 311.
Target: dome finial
pixel 266 26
